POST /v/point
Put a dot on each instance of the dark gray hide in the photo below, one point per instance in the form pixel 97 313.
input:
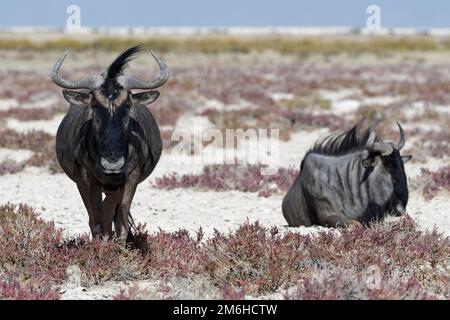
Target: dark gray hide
pixel 109 141
pixel 347 179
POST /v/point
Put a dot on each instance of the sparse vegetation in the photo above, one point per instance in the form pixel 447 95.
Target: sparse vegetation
pixel 42 143
pixel 222 79
pixel 245 178
pixel 434 143
pixel 10 166
pixel 436 181
pixel 252 261
pixel 29 114
pixel 218 44
pixel 287 120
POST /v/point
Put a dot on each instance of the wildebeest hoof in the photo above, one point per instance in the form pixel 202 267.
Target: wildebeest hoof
pixel 355 223
pixel 348 223
pixel 399 210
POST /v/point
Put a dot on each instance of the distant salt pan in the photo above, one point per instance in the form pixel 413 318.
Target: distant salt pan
pixel 16 155
pixel 49 126
pixel 270 30
pixel 6 104
pixel 280 96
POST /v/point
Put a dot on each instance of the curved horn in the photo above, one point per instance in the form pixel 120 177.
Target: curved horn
pixel 371 138
pixel 401 143
pixel 133 83
pixel 92 82
pixel 384 149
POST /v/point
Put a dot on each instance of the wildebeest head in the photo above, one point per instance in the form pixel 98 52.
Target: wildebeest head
pixel 109 99
pixel 386 156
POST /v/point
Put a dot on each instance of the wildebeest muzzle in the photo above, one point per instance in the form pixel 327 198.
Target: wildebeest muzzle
pixel 112 165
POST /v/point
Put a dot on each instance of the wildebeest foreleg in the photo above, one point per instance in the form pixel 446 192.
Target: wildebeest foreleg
pixel 122 225
pixel 92 200
pixel 87 204
pixel 95 197
pixel 110 208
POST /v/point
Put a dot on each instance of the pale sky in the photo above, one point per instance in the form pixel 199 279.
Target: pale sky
pixel 228 13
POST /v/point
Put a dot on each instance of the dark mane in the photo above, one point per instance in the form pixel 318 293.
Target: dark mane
pixel 341 143
pixel 116 68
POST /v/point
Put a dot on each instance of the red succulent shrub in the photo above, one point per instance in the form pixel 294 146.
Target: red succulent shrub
pixel 232 177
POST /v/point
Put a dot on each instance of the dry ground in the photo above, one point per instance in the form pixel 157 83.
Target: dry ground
pixel 305 96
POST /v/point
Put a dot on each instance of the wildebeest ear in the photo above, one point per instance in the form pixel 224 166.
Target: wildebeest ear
pixel 77 98
pixel 144 98
pixel 406 158
pixel 369 162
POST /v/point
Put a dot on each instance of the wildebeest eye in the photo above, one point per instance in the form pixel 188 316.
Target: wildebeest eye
pixel 369 162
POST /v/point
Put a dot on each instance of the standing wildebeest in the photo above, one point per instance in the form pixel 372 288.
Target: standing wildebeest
pixel 109 141
pixel 347 179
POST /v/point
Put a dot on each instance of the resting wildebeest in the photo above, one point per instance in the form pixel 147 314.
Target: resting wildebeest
pixel 109 141
pixel 348 178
